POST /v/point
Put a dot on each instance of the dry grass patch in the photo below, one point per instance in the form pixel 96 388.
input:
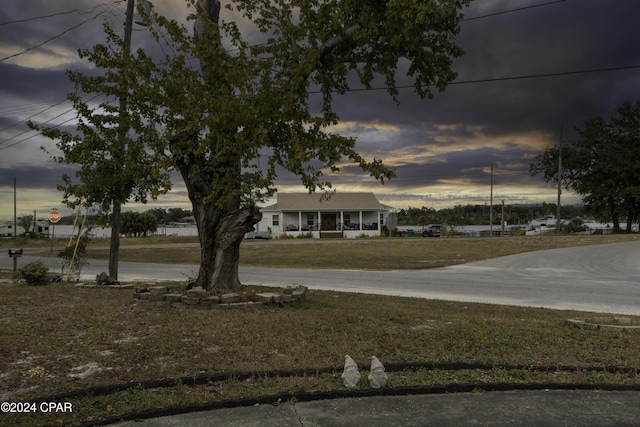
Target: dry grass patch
pixel 58 338
pixel 406 253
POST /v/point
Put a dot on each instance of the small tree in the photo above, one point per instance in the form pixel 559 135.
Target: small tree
pixel 113 145
pixel 26 222
pixel 76 257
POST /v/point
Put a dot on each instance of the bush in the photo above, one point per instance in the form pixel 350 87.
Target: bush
pixel 576 225
pixel 35 273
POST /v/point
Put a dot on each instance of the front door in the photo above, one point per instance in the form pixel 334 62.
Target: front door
pixel 329 222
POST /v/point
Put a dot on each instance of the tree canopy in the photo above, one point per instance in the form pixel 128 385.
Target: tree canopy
pixel 602 165
pixel 138 224
pixel 229 114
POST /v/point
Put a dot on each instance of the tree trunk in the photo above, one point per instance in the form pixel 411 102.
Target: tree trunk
pixel 614 215
pixel 222 223
pixel 114 243
pixel 220 233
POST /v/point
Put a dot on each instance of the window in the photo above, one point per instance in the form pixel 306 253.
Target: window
pixel 347 219
pixel 309 219
pixel 275 220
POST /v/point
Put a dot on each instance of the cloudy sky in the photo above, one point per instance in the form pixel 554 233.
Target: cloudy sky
pixel 531 68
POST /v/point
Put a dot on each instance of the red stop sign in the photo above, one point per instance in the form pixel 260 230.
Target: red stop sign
pixel 54 216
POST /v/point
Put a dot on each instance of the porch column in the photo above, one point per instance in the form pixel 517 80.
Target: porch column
pixel 299 220
pixel 319 221
pixel 360 212
pixel 341 220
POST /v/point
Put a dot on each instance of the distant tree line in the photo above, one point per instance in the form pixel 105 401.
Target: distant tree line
pixel 168 216
pixel 480 214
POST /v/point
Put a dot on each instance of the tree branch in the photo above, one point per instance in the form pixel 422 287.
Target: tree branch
pixel 334 42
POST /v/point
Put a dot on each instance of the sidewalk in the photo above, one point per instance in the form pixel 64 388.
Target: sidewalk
pixel 500 408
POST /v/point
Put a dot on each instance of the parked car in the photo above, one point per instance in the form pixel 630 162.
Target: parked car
pixel 432 230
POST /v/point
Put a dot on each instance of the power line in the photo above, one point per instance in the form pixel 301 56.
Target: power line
pixel 513 10
pixel 51 119
pixel 51 38
pixel 501 79
pixel 91 19
pixel 477 81
pixel 78 11
pixel 30 117
pixel 542 75
pixel 460 82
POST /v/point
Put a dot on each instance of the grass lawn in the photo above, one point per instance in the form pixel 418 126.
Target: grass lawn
pixel 58 338
pixel 413 253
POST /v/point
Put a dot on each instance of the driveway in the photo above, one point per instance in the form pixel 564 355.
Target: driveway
pixel 600 278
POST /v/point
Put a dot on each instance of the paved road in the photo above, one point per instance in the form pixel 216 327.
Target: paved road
pixel 600 278
pixel 551 408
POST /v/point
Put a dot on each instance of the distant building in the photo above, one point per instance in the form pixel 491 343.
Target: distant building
pixel 343 215
pixel 7 230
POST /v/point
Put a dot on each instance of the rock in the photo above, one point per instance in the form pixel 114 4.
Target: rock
pixel 103 279
pixel 158 290
pixel 229 298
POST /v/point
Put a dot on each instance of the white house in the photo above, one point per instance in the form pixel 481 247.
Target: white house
pixel 343 215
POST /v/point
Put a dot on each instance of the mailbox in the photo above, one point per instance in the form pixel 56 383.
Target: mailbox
pixel 15 253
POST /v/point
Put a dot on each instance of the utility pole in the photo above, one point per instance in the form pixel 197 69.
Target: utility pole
pixel 491 206
pixel 114 246
pixel 559 180
pixel 15 214
pixel 502 220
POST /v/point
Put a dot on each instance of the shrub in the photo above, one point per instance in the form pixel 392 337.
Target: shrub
pixel 35 273
pixel 576 225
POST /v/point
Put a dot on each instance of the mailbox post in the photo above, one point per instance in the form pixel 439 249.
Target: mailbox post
pixel 15 254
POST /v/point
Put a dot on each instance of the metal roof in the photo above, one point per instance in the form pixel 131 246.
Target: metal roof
pixel 336 202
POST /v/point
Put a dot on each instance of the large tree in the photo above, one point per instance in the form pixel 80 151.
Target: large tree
pixel 232 99
pixel 602 165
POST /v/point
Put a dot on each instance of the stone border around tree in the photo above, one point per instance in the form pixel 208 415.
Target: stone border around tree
pixel 164 296
pixel 96 286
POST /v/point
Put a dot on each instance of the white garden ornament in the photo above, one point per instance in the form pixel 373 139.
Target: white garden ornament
pixel 350 374
pixel 377 376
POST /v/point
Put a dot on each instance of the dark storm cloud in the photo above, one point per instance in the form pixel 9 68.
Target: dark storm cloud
pixel 33 84
pixel 441 149
pixel 560 38
pixel 27 24
pixel 33 177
